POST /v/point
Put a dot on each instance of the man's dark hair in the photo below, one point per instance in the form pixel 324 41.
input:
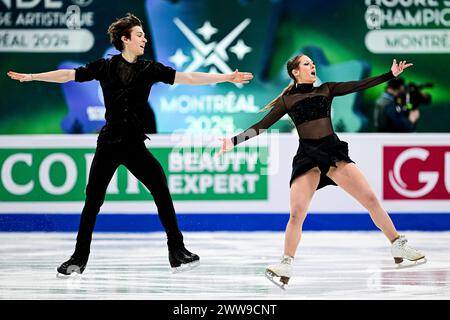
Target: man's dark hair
pixel 396 83
pixel 122 27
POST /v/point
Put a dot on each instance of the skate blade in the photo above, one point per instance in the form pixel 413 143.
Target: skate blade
pixel 186 267
pixel 404 263
pixel 73 275
pixel 270 276
pixel 74 272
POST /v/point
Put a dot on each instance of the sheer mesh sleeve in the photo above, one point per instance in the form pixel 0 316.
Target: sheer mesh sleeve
pixel 342 88
pixel 275 114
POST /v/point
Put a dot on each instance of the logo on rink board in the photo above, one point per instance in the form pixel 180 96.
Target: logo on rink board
pixel 419 172
pixel 33 175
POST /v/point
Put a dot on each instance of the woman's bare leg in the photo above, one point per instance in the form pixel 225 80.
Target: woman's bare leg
pixel 352 180
pixel 302 191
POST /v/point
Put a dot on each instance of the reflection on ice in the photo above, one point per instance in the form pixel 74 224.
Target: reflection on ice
pixel 328 265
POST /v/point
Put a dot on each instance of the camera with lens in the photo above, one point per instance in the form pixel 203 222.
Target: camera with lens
pixel 413 96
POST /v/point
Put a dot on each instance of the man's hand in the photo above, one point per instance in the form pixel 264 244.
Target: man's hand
pixel 240 77
pixel 22 77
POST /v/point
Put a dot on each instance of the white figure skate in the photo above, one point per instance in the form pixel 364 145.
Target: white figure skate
pixel 283 271
pixel 401 251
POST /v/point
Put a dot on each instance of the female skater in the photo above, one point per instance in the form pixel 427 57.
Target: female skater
pixel 126 81
pixel 322 159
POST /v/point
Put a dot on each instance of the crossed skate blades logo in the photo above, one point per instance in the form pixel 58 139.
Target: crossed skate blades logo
pixel 212 54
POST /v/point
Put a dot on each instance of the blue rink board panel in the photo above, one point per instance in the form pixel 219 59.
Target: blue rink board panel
pixel 221 222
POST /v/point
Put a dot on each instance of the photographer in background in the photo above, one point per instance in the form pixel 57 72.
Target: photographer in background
pixel 391 113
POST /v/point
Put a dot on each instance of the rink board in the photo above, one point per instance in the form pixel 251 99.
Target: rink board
pixel 43 179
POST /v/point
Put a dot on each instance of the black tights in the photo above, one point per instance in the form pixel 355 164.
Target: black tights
pixel 144 166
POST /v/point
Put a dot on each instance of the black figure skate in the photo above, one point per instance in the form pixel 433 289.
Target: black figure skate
pixel 181 259
pixel 74 265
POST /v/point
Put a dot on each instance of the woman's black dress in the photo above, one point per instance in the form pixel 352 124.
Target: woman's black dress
pixel 309 108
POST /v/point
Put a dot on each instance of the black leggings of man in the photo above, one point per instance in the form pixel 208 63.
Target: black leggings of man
pixel 146 168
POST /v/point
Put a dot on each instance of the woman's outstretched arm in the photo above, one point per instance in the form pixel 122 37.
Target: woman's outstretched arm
pixel 275 114
pixel 58 76
pixel 199 78
pixel 343 88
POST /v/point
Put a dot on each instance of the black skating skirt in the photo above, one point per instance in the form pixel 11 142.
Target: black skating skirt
pixel 323 153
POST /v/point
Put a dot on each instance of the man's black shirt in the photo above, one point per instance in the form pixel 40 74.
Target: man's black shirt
pixel 126 88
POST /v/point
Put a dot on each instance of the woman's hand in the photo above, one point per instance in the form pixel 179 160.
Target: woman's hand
pixel 398 68
pixel 227 145
pixel 240 77
pixel 22 77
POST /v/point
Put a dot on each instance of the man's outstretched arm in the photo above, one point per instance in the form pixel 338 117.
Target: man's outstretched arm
pixel 199 78
pixel 58 76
